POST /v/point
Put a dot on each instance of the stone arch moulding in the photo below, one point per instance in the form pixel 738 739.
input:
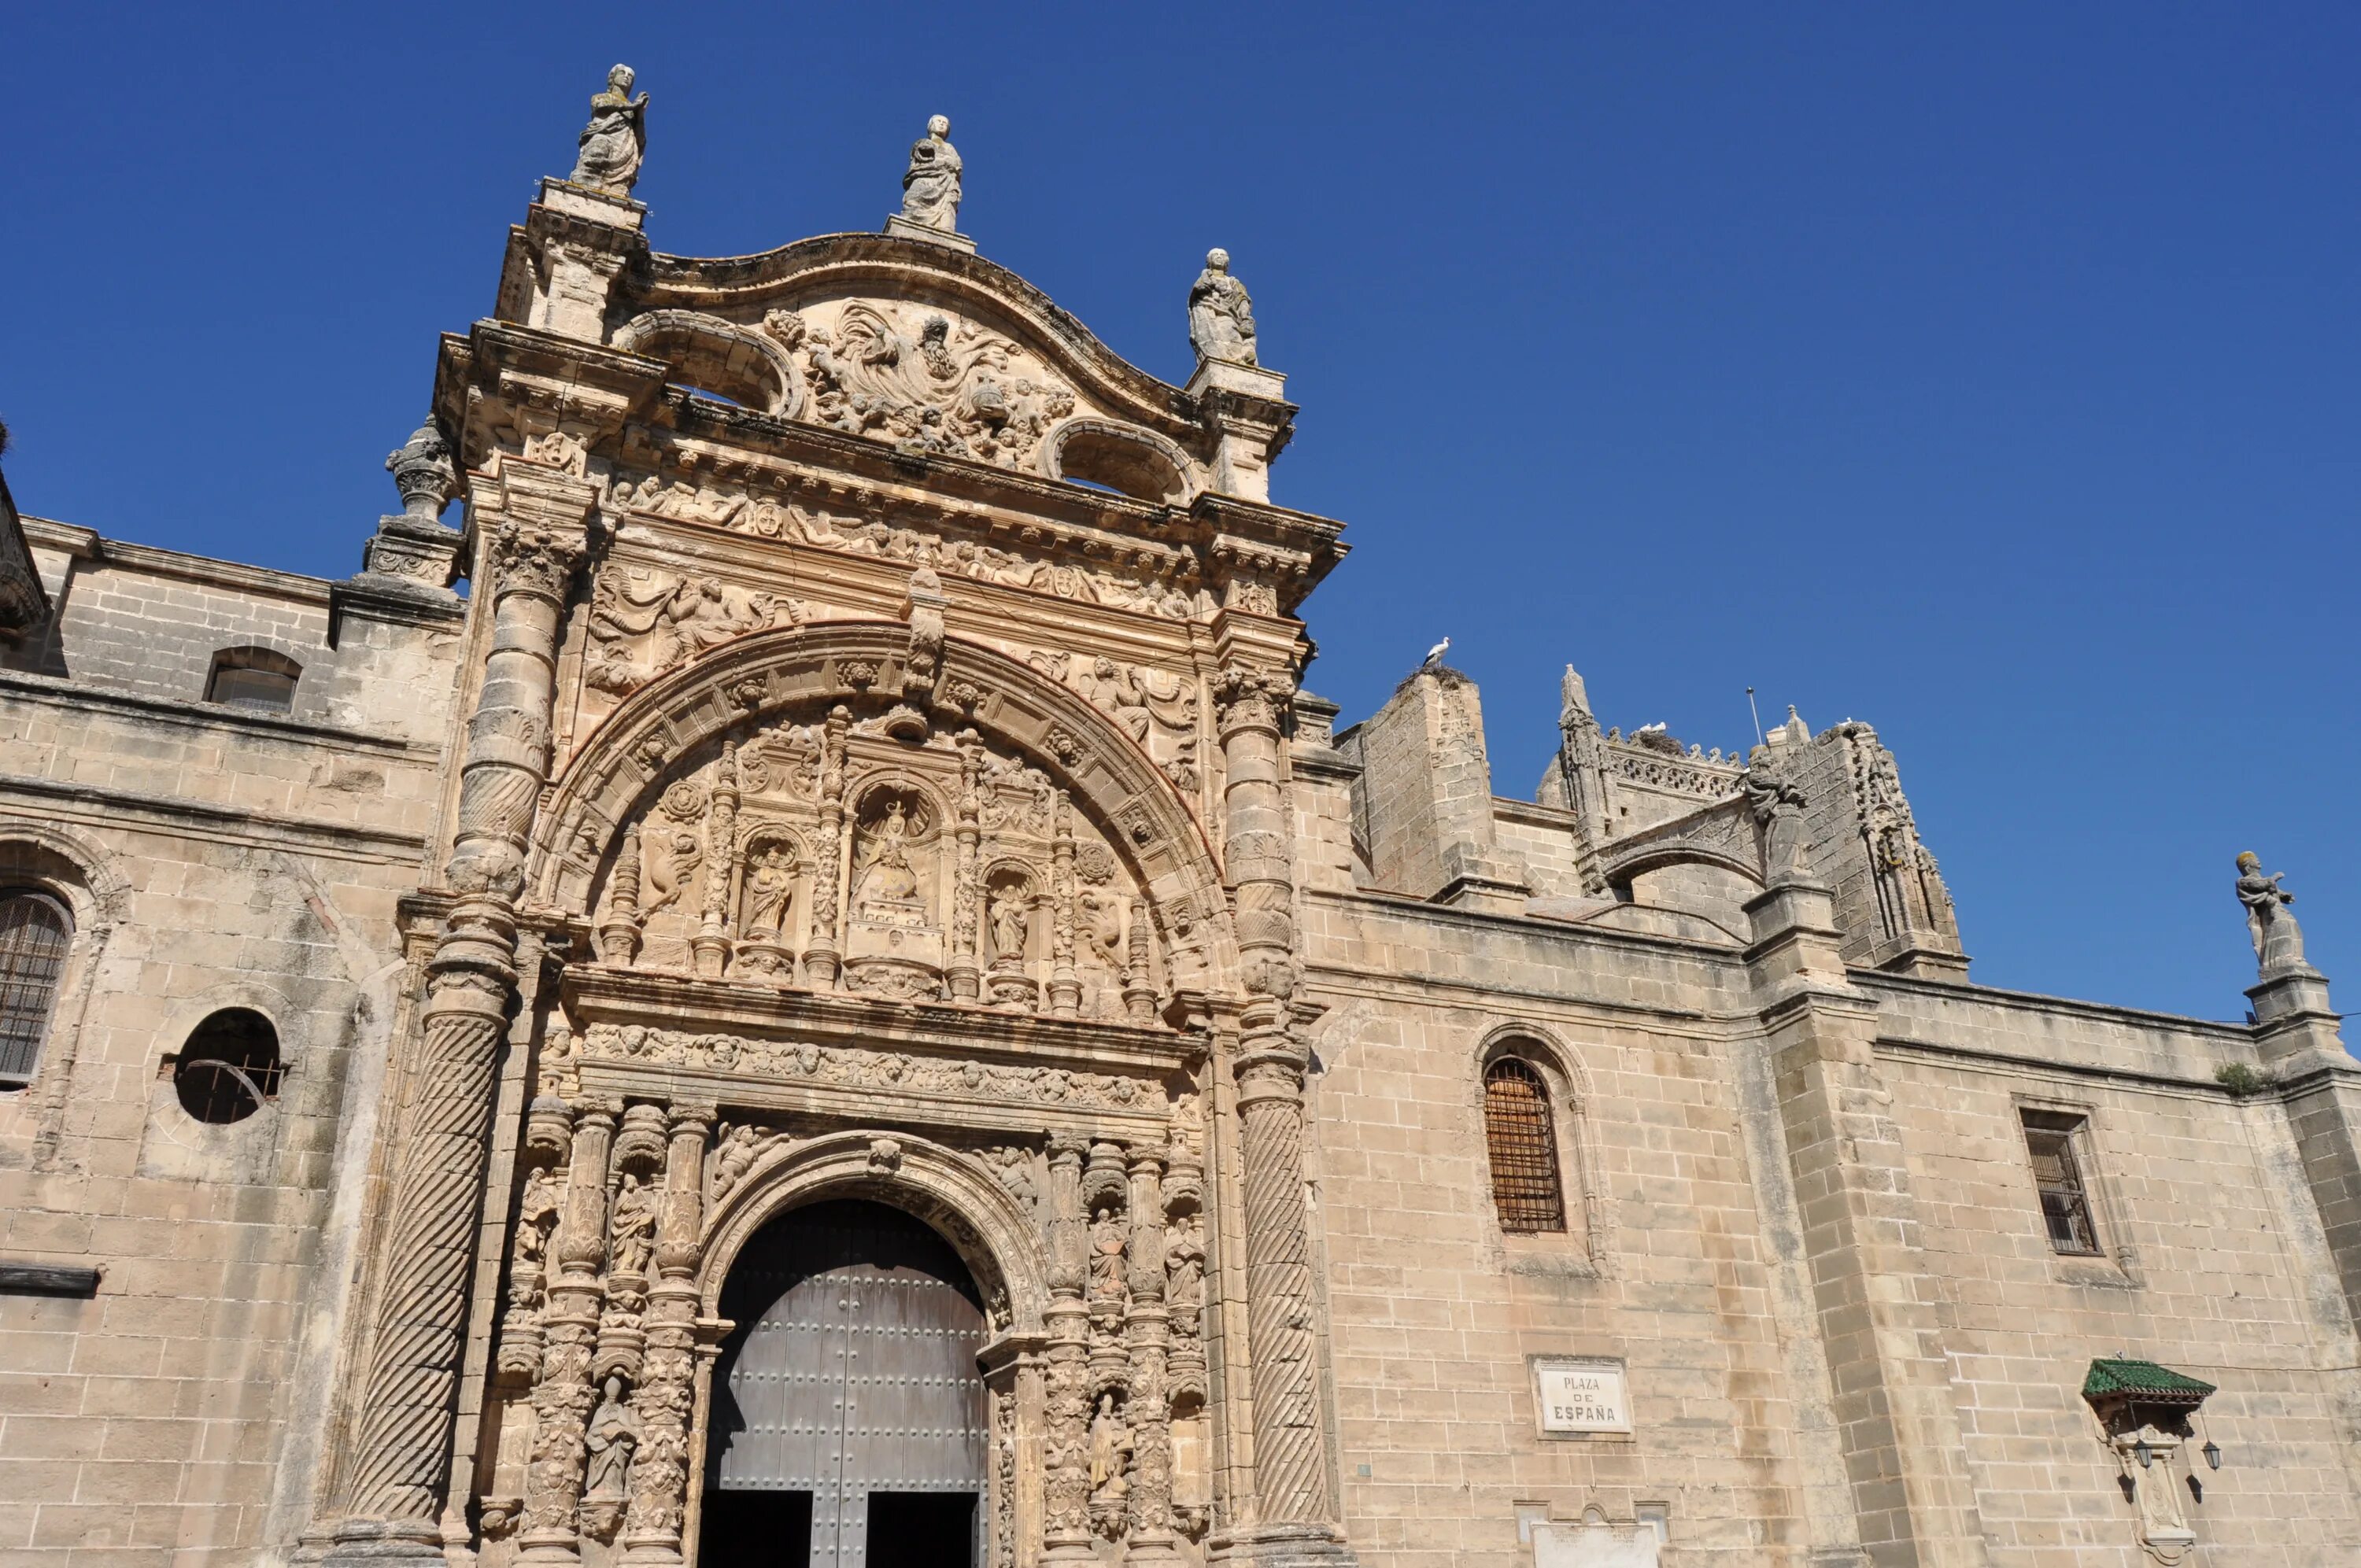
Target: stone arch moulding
pixel 97 893
pixel 1722 836
pixel 958 1196
pixel 1540 1046
pixel 1138 462
pixel 707 353
pixel 1109 777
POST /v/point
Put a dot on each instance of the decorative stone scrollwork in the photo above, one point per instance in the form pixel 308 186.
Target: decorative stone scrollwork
pixel 854 1068
pixel 922 379
pixel 643 623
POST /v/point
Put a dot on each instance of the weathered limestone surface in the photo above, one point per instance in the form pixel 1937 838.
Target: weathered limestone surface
pixel 893 782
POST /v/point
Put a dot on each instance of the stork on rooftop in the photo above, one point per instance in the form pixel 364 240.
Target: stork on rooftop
pixel 1434 654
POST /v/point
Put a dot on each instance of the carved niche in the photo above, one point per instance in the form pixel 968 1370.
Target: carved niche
pixel 855 855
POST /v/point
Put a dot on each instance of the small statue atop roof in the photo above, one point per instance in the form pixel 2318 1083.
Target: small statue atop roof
pixel 930 186
pixel 1221 313
pixel 2278 940
pixel 616 139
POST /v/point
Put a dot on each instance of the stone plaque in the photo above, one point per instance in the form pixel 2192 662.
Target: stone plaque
pixel 1582 1394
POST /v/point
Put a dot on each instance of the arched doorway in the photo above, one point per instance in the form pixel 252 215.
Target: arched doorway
pixel 848 1410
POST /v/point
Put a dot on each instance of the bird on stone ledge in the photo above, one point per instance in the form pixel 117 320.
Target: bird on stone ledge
pixel 1434 654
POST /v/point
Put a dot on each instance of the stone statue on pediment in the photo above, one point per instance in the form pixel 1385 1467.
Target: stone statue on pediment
pixel 615 140
pixel 1221 313
pixel 930 186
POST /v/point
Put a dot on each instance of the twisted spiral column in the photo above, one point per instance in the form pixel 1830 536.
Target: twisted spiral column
pixel 392 1491
pixel 1294 1508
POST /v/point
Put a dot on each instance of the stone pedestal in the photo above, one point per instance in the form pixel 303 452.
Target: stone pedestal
pixel 901 227
pixel 1246 407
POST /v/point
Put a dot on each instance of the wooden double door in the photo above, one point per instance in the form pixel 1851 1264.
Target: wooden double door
pixel 849 1426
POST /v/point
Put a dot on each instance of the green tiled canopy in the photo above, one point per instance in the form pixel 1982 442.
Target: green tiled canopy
pixel 2144 1381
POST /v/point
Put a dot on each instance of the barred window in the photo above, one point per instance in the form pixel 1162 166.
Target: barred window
pixel 230 1067
pixel 2052 1139
pixel 34 931
pixel 1523 1146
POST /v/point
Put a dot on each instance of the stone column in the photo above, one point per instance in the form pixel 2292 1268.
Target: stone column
pixel 1148 1327
pixel 1294 1512
pixel 397 1470
pixel 667 1387
pixel 1065 984
pixel 619 934
pixel 711 943
pixel 967 891
pixel 1065 1469
pixel 825 956
pixel 562 1401
pixel 1896 1413
pixel 1138 991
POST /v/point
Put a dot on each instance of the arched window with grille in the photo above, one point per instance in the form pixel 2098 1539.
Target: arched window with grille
pixel 1527 1191
pixel 33 932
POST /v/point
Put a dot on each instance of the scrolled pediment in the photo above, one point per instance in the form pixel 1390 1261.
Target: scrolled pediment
pixel 923 348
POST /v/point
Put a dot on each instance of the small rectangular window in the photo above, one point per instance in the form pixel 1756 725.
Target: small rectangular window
pixel 2055 1142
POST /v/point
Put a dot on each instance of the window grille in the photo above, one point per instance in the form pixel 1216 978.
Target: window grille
pixel 2051 1139
pixel 1517 1130
pixel 230 1067
pixel 34 929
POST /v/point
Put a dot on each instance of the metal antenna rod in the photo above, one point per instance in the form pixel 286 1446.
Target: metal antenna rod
pixel 1756 714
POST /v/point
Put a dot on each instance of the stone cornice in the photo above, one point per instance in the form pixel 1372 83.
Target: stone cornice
pixel 85 544
pixel 51 690
pixel 119 809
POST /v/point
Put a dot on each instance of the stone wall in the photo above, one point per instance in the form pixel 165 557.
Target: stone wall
pixel 212 859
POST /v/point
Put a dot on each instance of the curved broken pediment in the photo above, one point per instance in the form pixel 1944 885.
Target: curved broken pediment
pixel 792 809
pixel 919 346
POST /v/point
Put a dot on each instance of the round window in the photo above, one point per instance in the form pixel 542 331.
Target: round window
pixel 230 1067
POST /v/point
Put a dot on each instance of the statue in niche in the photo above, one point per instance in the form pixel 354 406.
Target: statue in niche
pixel 612 1437
pixel 1008 914
pixel 1106 1254
pixel 1111 1451
pixel 770 889
pixel 1221 313
pixel 536 1214
pixel 616 138
pixel 1184 1257
pixel 2270 924
pixel 930 186
pixel 886 875
pixel 634 1226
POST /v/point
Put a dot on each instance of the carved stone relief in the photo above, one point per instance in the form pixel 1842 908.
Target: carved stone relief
pixel 846 855
pixel 923 378
pixel 849 1067
pixel 644 622
pixel 1145 579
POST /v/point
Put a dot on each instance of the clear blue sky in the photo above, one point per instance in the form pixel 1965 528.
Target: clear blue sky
pixel 1989 375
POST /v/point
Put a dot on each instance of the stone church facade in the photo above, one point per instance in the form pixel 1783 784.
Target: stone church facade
pixel 843 1004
